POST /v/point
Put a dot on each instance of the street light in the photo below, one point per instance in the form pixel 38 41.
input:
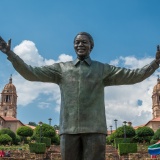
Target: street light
pixel 50 119
pixel 124 131
pixel 116 123
pixel 111 129
pixel 40 124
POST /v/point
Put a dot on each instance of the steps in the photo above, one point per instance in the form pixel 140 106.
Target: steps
pixel 111 153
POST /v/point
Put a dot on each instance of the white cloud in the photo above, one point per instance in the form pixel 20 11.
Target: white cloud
pixel 32 90
pixel 121 101
pixel 43 105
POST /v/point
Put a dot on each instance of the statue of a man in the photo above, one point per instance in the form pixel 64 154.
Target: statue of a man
pixel 82 82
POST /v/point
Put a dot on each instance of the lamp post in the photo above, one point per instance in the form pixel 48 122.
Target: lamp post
pixel 107 128
pixel 40 124
pixel 116 123
pixel 124 131
pixel 50 119
pixel 111 129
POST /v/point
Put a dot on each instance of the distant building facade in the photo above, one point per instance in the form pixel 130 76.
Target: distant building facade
pixel 8 108
pixel 155 122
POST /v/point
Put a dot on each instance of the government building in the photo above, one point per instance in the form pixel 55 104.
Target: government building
pixel 8 108
pixel 154 123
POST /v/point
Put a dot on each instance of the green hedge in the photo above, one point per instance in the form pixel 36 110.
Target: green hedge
pixel 125 148
pixel 45 140
pixel 121 140
pixel 38 148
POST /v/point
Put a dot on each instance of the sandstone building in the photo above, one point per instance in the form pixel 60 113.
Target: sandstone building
pixel 155 122
pixel 8 108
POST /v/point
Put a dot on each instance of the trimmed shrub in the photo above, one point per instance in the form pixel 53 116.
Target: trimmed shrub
pixel 157 135
pixel 121 140
pixel 144 131
pixel 45 140
pixel 17 140
pixel 153 141
pixel 143 135
pixel 5 139
pixel 10 133
pixel 46 131
pixel 25 131
pixel 125 148
pixel 130 132
pixel 38 148
pixel 56 140
pixel 111 138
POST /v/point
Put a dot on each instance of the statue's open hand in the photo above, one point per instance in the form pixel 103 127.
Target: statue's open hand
pixel 5 47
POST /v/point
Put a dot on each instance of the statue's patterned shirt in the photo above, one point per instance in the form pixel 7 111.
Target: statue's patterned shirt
pixel 82 86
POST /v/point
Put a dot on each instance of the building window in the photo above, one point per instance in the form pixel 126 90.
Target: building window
pixel 8 98
pixel 1 123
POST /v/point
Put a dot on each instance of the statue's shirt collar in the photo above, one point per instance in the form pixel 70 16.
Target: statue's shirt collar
pixel 87 60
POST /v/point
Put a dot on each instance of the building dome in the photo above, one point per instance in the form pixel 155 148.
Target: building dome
pixel 157 86
pixel 9 88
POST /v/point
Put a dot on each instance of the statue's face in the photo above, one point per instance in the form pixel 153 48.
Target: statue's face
pixel 82 46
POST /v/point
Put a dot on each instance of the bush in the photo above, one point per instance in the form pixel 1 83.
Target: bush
pixel 45 140
pixel 125 148
pixel 111 138
pixel 38 148
pixel 157 135
pixel 144 131
pixel 17 140
pixel 130 132
pixel 56 140
pixel 46 131
pixel 25 131
pixel 153 141
pixel 143 135
pixel 5 139
pixel 10 133
pixel 121 140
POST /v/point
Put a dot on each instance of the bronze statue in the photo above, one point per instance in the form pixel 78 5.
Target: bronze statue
pixel 82 82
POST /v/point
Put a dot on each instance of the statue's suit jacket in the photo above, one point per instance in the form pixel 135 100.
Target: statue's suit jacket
pixel 82 86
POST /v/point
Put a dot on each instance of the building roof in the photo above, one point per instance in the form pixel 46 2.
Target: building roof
pixel 136 127
pixel 9 87
pixel 153 120
pixel 11 119
pixel 32 127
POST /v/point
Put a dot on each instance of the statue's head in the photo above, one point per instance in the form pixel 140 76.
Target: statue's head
pixel 83 44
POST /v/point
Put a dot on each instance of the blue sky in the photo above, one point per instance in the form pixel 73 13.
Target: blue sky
pixel 125 32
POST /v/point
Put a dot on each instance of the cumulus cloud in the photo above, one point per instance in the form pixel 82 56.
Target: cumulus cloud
pixel 121 102
pixel 32 90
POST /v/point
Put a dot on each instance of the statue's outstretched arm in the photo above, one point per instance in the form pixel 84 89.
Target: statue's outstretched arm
pixel 158 54
pixel 5 47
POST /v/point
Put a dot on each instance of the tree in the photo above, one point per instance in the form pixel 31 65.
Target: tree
pixel 10 133
pixel 56 139
pixel 56 127
pixel 157 135
pixel 25 131
pixel 5 139
pixel 110 138
pixel 17 140
pixel 46 131
pixel 130 132
pixel 32 124
pixel 143 134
